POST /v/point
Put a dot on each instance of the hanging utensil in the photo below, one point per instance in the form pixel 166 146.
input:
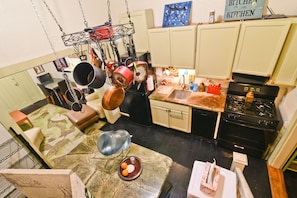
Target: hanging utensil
pixel 122 76
pixel 74 96
pixel 133 50
pixel 139 70
pixel 95 58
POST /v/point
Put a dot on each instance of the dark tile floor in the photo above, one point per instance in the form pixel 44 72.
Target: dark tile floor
pixel 184 149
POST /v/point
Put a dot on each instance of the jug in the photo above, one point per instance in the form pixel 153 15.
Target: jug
pixel 111 142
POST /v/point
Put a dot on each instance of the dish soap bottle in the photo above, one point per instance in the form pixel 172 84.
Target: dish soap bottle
pixel 249 98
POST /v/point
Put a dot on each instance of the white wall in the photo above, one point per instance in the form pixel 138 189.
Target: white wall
pixel 23 38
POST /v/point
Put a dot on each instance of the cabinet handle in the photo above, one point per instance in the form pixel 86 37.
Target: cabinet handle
pixel 175 115
pixel 240 147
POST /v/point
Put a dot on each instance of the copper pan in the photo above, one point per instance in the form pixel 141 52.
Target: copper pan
pixel 113 98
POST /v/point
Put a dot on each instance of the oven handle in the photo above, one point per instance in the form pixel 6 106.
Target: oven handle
pixel 248 126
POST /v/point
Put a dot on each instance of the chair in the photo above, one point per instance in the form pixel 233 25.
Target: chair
pixel 63 88
pixel 48 94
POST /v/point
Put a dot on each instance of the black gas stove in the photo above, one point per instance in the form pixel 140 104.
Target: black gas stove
pixel 249 127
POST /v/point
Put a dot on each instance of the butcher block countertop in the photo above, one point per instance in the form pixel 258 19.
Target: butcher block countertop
pixel 201 100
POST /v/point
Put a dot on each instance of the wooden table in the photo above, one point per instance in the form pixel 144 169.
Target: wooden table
pixel 19 117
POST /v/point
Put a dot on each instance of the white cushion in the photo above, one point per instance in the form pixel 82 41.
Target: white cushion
pixel 35 136
pixel 96 105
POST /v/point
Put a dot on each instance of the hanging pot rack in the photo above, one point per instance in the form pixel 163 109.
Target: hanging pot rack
pixel 107 31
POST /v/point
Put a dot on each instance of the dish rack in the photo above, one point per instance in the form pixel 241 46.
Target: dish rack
pixel 214 89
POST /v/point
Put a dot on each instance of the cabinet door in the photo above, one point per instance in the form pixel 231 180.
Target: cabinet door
pixel 159 43
pixel 182 44
pixel 160 115
pixel 216 44
pixel 286 69
pixel 142 20
pixel 179 120
pixel 259 46
pixel 18 91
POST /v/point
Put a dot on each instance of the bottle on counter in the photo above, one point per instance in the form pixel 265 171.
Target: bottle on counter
pixel 201 87
pixel 249 98
pixel 212 16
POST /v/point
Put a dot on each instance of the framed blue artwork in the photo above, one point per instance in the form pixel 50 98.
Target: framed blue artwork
pixel 177 14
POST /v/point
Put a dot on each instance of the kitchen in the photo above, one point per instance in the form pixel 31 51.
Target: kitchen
pixel 14 62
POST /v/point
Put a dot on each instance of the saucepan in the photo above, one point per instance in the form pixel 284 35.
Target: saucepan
pixel 86 74
pixel 122 76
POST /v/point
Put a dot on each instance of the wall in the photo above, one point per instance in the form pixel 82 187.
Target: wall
pixel 25 44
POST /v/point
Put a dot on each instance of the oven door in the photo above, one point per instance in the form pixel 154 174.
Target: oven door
pixel 245 138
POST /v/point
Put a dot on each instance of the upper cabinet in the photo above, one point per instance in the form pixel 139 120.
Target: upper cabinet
pixel 259 45
pixel 142 20
pixel 216 45
pixel 286 70
pixel 159 45
pixel 173 46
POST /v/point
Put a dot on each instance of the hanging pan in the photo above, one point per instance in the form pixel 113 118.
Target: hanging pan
pixel 113 98
pixel 86 74
pixel 122 76
pixel 140 70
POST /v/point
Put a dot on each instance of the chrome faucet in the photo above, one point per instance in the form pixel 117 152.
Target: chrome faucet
pixel 182 84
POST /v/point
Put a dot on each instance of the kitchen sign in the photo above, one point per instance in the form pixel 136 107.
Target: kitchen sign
pixel 244 9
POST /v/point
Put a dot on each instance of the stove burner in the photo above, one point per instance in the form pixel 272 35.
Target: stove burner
pixel 260 107
pixel 264 109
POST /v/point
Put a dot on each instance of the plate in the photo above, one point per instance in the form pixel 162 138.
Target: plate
pixel 134 172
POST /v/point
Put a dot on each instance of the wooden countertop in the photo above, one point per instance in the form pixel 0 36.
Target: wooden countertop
pixel 201 100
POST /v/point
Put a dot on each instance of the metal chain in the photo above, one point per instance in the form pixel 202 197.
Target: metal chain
pixel 128 12
pixel 43 27
pixel 82 11
pixel 61 29
pixel 109 12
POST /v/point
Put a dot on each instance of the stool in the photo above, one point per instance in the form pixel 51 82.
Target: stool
pixel 84 118
pixel 239 160
pixel 19 117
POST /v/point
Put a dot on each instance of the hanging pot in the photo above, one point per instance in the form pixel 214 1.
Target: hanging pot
pixel 86 74
pixel 140 70
pixel 101 32
pixel 122 76
pixel 113 98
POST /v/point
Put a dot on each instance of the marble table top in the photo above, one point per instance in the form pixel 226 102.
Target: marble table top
pixel 100 173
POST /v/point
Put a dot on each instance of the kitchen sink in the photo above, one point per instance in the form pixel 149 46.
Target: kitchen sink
pixel 179 94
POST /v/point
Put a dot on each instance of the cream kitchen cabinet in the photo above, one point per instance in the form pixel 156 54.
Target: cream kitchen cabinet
pixel 171 115
pixel 142 20
pixel 215 49
pixel 259 45
pixel 173 46
pixel 18 91
pixel 286 70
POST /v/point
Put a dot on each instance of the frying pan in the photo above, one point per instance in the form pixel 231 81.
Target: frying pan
pixel 113 97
